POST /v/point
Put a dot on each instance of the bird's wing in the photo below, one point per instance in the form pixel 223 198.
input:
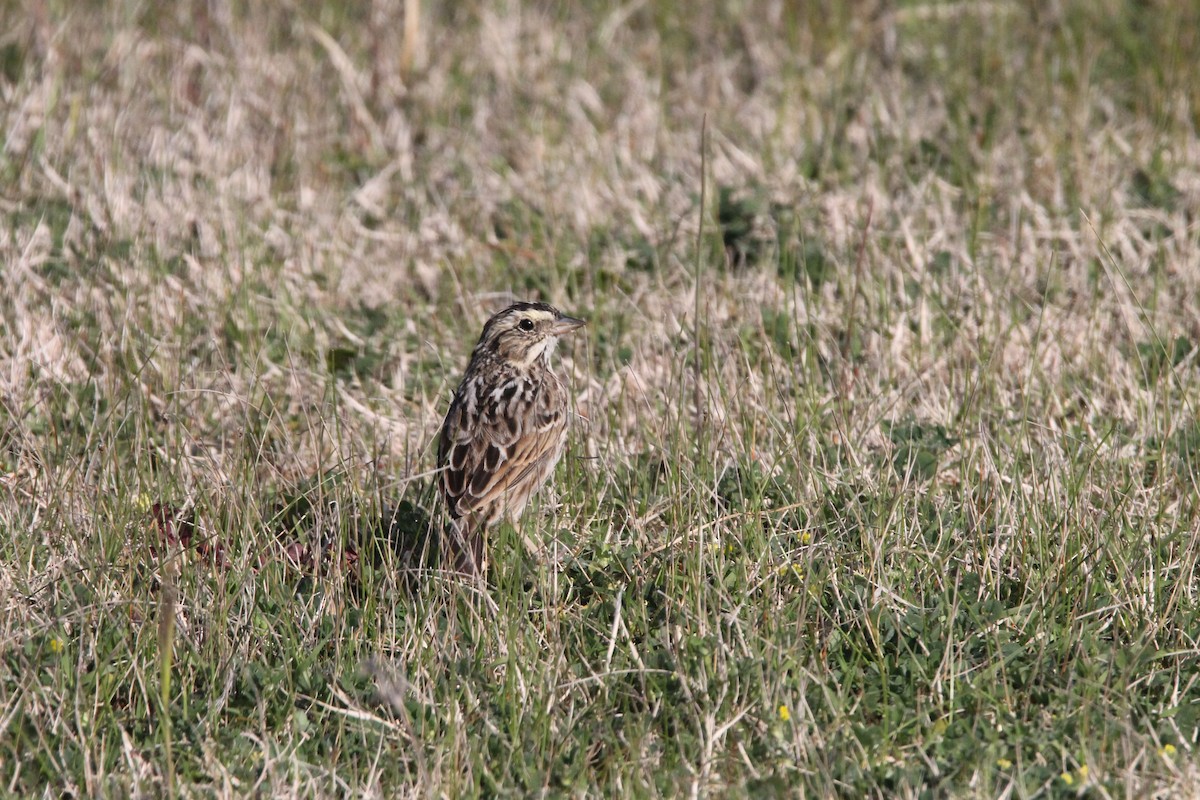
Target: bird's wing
pixel 495 445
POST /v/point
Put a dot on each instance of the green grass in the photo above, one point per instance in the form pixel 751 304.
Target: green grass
pixel 884 480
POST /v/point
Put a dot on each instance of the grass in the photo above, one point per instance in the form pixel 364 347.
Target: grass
pixel 885 476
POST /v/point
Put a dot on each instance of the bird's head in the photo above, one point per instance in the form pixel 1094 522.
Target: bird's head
pixel 525 332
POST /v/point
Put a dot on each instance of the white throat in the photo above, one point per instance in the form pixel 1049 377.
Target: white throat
pixel 543 349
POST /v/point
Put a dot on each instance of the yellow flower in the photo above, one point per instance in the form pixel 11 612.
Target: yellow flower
pixel 1167 750
pixel 56 645
pixel 1003 763
pixel 805 537
pixel 1067 778
pixel 1083 772
pixel 784 714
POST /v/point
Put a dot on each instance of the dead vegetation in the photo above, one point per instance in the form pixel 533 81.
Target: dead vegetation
pixel 942 318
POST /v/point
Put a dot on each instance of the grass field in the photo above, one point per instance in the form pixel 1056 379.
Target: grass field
pixel 885 476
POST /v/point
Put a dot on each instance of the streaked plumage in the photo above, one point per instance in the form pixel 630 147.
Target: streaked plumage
pixel 506 427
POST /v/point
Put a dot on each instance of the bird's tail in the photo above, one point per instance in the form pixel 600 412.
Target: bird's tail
pixel 465 546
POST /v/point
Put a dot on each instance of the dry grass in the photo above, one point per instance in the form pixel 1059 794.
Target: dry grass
pixel 897 432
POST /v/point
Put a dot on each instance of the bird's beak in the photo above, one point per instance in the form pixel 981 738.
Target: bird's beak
pixel 566 325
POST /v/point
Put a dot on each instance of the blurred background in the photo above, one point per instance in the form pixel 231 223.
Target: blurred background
pixel 883 481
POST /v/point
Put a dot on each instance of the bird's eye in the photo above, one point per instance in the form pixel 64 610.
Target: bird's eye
pixel 525 325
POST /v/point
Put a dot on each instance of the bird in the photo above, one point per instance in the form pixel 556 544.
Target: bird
pixel 506 428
